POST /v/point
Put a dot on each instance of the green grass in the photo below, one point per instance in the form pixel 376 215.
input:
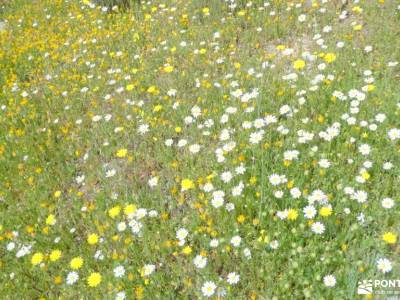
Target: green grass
pixel 65 63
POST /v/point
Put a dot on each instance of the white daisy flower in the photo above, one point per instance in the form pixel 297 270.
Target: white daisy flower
pixel 329 280
pixel 233 278
pixel 208 288
pixel 318 228
pixel 119 271
pixel 72 277
pixel 384 265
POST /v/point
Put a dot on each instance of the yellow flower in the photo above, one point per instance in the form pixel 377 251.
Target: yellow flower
pixel 187 250
pixel 93 239
pixel 292 214
pixel 51 220
pixel 139 292
pixel 253 180
pixel 129 209
pixel 330 57
pixel 365 175
pixel 263 239
pixel 280 47
pixel 113 212
pixel 325 211
pixel 55 255
pixel 130 87
pixel 187 184
pixel 37 258
pixel 206 10
pixel 152 89
pixel 121 153
pixel 241 218
pixel 178 129
pixel 57 279
pixel 370 87
pixel 389 237
pixel 168 69
pixel 94 279
pixel 299 64
pixel 76 263
pixel 57 194
pixel 157 108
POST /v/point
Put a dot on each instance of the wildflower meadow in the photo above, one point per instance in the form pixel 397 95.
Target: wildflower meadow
pixel 199 149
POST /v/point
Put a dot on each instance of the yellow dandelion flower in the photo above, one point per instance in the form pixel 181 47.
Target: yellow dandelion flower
pixel 55 255
pixel 292 214
pixel 253 180
pixel 280 47
pixel 129 209
pixel 168 69
pixel 139 292
pixel 325 211
pixel 113 212
pixel 365 175
pixel 37 258
pixel 57 279
pixel 187 184
pixel 51 220
pixel 94 279
pixel 330 57
pixel 157 108
pixel 76 263
pixel 152 89
pixel 370 87
pixel 121 153
pixel 389 238
pixel 93 239
pixel 299 64
pixel 130 87
pixel 241 218
pixel 187 250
